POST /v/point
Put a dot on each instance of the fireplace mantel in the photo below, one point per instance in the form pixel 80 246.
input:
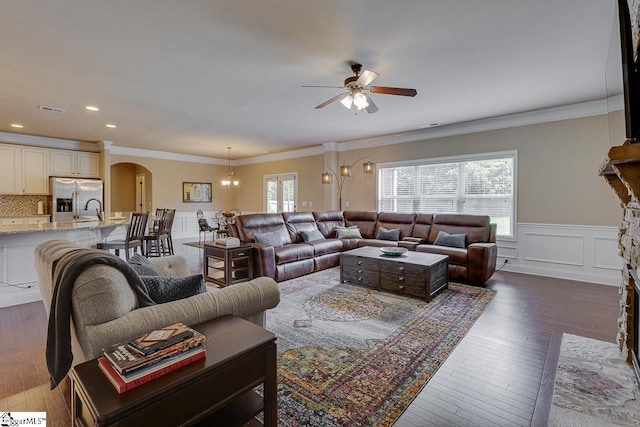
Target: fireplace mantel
pixel 621 169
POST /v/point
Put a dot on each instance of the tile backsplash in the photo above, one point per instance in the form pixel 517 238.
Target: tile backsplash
pixel 15 205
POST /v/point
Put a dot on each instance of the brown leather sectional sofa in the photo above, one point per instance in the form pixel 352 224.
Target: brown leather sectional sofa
pixel 290 256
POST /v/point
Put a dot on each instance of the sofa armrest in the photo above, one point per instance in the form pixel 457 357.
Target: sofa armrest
pixel 243 299
pixel 265 260
pixel 481 261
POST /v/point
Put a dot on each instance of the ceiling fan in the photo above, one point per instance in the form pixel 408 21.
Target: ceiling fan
pixel 356 91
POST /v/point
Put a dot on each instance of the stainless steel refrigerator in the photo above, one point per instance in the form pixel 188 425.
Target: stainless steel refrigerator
pixel 75 199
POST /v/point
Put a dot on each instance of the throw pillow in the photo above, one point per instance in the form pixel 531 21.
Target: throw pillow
pixel 272 238
pixel 348 233
pixel 384 234
pixel 451 240
pixel 311 236
pixel 166 288
pixel 143 266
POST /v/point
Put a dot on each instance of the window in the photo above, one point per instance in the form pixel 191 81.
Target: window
pixel 476 184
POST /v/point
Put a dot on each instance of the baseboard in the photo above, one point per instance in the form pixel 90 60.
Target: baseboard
pixel 23 297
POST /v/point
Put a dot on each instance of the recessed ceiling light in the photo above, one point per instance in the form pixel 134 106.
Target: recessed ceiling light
pixel 92 108
pixel 111 125
pixel 16 125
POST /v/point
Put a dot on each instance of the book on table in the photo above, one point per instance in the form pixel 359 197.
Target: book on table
pixel 228 242
pixel 152 347
pixel 126 382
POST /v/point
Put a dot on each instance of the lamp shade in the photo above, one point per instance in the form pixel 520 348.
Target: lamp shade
pixel 326 178
pixel 368 167
pixel 345 170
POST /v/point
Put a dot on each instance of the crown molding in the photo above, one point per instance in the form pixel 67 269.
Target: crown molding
pixel 41 141
pixel 293 154
pixel 547 115
pixel 165 155
pixel 565 112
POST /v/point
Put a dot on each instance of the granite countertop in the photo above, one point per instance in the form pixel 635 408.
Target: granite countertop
pixel 23 216
pixel 60 226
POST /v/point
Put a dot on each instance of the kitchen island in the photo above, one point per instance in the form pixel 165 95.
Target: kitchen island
pixel 18 281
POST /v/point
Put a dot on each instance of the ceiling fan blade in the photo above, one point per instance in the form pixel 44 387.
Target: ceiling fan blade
pixel 366 78
pixel 372 107
pixel 393 90
pixel 333 87
pixel 329 101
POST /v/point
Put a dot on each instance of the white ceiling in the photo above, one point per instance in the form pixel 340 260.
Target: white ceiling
pixel 196 76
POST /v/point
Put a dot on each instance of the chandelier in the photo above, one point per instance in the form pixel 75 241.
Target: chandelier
pixel 226 183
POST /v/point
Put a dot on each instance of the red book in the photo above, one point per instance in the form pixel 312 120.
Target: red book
pixel 149 373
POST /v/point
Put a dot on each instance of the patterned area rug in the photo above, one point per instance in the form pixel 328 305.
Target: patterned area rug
pixel 351 356
pixel 594 386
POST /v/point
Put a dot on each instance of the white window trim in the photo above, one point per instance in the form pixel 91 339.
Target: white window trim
pixel 465 158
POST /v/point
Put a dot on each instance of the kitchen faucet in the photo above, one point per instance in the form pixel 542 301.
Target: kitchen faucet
pixel 98 211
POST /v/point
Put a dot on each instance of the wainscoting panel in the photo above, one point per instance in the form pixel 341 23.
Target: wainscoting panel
pixel 573 252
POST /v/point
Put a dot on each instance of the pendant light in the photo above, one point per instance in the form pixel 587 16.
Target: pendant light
pixel 226 183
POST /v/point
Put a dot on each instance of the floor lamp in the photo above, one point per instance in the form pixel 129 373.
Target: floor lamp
pixel 345 171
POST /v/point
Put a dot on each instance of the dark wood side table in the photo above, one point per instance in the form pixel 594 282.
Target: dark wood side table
pixel 216 390
pixel 226 266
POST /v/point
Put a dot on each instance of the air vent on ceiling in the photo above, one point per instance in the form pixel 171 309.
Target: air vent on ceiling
pixel 52 109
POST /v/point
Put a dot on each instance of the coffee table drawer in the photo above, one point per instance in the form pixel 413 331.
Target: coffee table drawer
pixel 359 275
pixel 399 267
pixel 406 284
pixel 357 261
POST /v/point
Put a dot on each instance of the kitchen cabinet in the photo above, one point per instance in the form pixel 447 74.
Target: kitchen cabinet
pixel 74 163
pixel 23 170
pixel 34 171
pixel 12 221
pixel 9 169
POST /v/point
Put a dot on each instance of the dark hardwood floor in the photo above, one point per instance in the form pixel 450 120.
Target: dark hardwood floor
pixel 493 377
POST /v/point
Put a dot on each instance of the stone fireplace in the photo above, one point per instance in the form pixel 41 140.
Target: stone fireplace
pixel 621 169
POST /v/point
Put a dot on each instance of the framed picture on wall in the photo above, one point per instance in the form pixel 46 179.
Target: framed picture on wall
pixel 196 192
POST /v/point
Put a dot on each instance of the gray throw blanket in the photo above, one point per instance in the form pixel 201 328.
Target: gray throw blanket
pixel 65 272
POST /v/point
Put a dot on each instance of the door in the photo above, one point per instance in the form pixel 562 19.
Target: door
pixel 281 193
pixel 141 193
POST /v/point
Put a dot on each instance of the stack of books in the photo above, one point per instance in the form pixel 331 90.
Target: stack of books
pixel 152 355
pixel 228 242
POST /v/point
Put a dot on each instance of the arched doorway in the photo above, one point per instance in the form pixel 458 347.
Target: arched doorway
pixel 131 186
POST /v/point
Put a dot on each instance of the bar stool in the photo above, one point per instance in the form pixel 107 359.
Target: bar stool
pixel 134 239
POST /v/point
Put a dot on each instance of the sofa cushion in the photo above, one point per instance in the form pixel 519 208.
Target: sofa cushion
pixel 143 266
pixel 384 234
pixel 457 256
pixel 327 222
pixel 297 222
pixel 293 252
pixel 365 220
pixel 348 233
pixel 477 228
pixel 311 236
pixel 392 220
pixel 271 238
pixel 451 240
pixel 326 246
pixel 165 289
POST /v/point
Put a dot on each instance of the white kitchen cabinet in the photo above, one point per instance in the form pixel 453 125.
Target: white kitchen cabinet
pixel 42 219
pixel 9 169
pixel 12 221
pixel 34 171
pixel 74 163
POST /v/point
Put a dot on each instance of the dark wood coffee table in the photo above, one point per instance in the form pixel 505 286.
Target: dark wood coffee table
pixel 217 390
pixel 417 274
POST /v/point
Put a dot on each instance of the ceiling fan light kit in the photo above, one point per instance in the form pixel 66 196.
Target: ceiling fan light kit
pixel 358 85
